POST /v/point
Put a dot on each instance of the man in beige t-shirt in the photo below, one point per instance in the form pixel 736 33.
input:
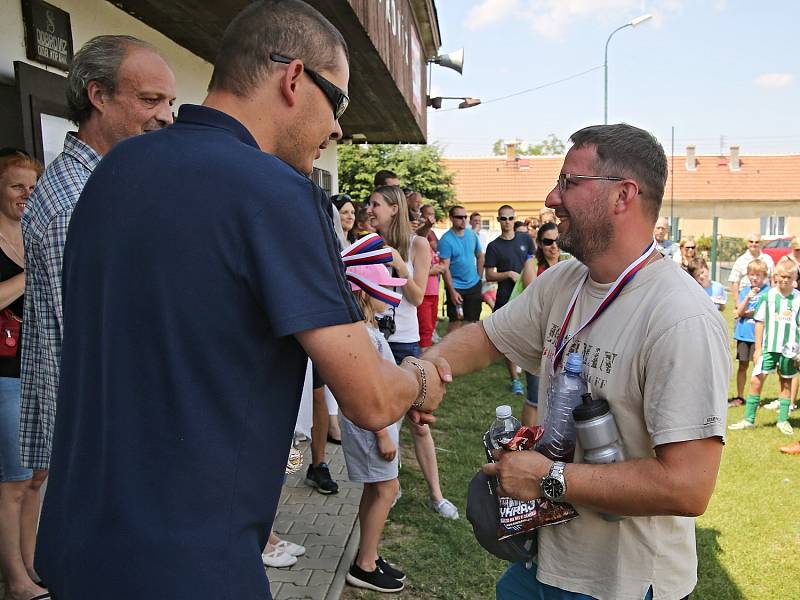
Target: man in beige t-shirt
pixel 658 354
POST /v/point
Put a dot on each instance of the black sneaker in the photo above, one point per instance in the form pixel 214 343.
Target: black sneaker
pixel 390 570
pixel 376 580
pixel 320 478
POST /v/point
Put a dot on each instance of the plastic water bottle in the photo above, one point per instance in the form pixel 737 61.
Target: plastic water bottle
pixel 504 428
pixel 558 441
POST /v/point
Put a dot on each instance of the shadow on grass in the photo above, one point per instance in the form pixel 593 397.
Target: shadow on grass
pixel 713 580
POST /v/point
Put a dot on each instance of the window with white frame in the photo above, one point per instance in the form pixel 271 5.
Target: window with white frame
pixel 773 225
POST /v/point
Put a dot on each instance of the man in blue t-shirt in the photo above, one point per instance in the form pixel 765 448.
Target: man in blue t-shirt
pixel 505 259
pixel 460 254
pixel 201 270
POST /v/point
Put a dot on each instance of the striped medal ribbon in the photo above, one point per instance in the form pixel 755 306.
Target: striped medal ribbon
pixel 563 341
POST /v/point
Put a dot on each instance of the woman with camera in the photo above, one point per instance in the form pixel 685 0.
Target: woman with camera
pixel 19 486
pixel 388 212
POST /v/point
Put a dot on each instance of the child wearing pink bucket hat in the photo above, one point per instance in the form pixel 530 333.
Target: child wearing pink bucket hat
pixel 372 457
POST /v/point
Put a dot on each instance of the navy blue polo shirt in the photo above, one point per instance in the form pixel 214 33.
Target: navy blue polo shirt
pixel 191 260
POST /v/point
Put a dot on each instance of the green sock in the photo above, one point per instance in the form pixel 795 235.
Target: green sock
pixel 783 413
pixel 750 407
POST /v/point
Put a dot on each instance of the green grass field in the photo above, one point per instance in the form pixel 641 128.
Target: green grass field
pixel 747 541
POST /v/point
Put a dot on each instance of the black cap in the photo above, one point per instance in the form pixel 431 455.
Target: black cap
pixel 483 513
pixel 590 409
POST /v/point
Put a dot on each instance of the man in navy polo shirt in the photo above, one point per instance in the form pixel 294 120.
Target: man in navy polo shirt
pixel 200 270
pixel 505 258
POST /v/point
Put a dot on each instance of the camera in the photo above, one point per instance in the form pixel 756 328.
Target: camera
pixel 386 325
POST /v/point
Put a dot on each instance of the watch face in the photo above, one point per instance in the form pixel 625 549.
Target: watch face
pixel 552 488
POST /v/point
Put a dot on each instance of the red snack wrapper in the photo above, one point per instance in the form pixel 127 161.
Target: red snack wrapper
pixel 520 516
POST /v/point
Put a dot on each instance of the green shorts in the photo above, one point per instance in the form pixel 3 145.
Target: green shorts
pixel 775 361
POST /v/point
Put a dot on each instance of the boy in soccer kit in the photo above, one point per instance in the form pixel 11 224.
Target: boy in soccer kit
pixel 744 330
pixel 776 317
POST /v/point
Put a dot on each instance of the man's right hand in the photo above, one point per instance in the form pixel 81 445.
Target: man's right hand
pixel 456 297
pixel 437 374
pixel 513 276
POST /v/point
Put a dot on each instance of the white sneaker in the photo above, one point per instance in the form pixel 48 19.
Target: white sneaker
pixel 445 508
pixel 774 405
pixel 291 548
pixel 277 558
pixel 785 428
pixel 743 424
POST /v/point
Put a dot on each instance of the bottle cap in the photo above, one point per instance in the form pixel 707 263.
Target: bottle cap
pixel 503 411
pixel 574 363
pixel 590 409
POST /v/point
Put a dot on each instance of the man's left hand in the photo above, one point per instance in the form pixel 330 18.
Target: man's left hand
pixel 520 473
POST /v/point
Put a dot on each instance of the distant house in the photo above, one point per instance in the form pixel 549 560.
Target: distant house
pixel 748 193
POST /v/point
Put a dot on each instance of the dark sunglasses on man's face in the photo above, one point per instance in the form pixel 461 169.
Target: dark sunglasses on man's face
pixel 501 219
pixel 335 95
pixel 549 242
pixel 459 217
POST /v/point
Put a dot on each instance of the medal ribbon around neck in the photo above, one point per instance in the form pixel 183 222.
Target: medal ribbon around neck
pixel 370 250
pixel 562 342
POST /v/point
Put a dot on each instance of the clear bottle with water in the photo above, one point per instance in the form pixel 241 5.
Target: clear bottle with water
pixel 566 390
pixel 504 428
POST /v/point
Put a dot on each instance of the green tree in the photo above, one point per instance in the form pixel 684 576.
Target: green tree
pixel 550 145
pixel 419 168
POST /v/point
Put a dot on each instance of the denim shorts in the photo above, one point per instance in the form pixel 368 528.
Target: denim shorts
pixel 11 468
pixel 532 389
pixel 519 583
pixel 402 349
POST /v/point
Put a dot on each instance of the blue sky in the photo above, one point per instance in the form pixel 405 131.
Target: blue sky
pixel 721 72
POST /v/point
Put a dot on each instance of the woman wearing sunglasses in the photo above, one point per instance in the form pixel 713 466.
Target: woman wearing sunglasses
pixel 688 252
pixel 547 255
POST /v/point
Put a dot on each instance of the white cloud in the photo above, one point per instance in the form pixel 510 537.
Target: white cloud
pixel 774 80
pixel 550 18
pixel 489 12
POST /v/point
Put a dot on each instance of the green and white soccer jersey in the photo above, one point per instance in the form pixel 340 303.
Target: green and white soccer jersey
pixel 780 316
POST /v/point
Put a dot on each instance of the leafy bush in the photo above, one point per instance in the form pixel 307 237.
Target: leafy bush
pixel 728 248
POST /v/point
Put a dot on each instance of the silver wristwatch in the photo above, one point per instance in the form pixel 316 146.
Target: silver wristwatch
pixel 554 486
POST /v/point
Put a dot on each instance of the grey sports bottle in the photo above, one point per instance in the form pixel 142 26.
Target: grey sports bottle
pixel 598 434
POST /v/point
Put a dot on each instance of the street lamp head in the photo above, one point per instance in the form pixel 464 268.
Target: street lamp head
pixel 640 20
pixel 469 102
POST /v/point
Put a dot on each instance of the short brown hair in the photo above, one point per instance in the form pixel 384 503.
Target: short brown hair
pixel 695 265
pixel 627 151
pixel 290 28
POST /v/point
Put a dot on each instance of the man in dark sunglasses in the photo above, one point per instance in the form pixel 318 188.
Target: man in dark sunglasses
pixel 505 258
pixel 189 318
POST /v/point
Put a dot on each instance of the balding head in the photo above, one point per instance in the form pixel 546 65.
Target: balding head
pixel 661 229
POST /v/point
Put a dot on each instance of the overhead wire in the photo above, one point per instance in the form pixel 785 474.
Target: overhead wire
pixel 529 90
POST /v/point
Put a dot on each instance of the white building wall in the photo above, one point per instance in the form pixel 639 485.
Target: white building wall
pixel 98 17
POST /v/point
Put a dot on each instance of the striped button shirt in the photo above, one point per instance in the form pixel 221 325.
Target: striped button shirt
pixel 780 316
pixel 44 232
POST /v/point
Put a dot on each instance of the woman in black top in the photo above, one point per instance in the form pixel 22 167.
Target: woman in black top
pixel 19 492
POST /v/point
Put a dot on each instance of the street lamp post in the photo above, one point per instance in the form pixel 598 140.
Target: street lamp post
pixel 634 23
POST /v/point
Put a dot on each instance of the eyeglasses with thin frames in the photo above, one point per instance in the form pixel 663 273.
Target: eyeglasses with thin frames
pixel 565 178
pixel 335 95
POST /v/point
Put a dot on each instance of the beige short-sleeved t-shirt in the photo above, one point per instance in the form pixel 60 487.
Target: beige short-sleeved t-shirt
pixel 659 355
